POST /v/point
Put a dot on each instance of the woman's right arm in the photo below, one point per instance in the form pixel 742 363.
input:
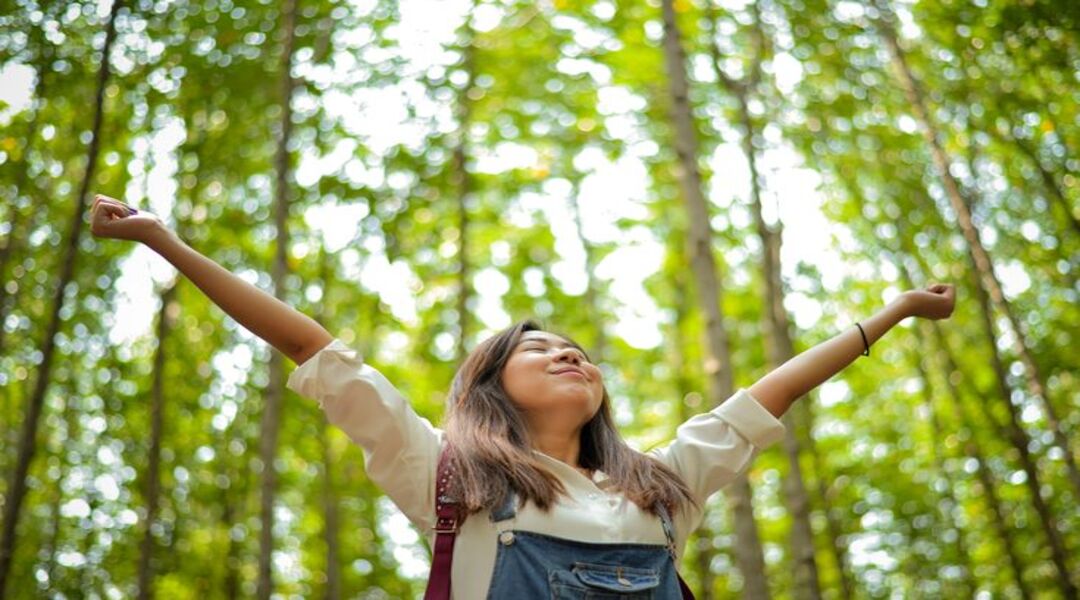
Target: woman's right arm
pixel 293 333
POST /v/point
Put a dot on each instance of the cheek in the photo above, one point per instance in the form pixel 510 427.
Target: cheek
pixel 517 382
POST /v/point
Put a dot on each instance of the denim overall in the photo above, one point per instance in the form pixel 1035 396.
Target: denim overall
pixel 534 565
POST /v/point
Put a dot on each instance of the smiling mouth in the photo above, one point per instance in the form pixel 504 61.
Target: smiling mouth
pixel 571 371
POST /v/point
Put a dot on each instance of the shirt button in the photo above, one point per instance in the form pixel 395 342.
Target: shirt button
pixel 506 537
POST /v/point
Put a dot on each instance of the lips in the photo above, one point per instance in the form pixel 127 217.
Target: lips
pixel 565 370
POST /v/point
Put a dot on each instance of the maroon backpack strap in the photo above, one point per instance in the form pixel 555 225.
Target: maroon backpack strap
pixel 448 520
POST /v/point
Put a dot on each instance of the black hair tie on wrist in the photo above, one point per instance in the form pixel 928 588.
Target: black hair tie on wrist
pixel 865 343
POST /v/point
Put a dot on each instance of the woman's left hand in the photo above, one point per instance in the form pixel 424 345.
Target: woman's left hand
pixel 935 302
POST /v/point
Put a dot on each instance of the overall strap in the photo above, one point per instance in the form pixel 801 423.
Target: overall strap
pixel 448 520
pixel 507 509
pixel 669 533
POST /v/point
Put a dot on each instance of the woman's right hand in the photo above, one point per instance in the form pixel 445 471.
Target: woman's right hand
pixel 111 218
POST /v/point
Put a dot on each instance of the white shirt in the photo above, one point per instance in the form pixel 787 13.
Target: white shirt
pixel 401 451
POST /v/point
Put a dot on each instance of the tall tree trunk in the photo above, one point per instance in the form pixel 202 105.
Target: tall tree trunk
pixel 153 468
pixel 464 181
pixel 748 550
pixel 232 556
pixel 947 502
pixel 986 479
pixel 980 258
pixel 331 509
pixel 1013 432
pixel 32 416
pixel 331 522
pixel 833 524
pixel 270 426
pixel 701 539
pixel 778 337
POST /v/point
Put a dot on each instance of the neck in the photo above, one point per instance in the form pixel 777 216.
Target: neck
pixel 562 446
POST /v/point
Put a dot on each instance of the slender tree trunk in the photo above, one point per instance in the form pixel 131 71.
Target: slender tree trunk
pixel 833 524
pixel 980 258
pixel 331 522
pixel 331 509
pixel 1016 436
pixel 270 426
pixel 464 181
pixel 986 479
pixel 946 502
pixel 778 337
pixel 32 416
pixel 700 539
pixel 153 468
pixel 781 349
pixel 748 549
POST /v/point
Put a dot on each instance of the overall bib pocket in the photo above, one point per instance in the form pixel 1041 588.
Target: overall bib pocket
pixel 600 581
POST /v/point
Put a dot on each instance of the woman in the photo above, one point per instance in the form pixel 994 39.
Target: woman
pixel 543 496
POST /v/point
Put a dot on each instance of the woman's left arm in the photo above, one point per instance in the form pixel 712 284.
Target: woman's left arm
pixel 793 379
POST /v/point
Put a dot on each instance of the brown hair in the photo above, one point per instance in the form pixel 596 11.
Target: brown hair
pixel 489 442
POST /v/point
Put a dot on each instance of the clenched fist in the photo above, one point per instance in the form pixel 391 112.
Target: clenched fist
pixel 937 301
pixel 111 218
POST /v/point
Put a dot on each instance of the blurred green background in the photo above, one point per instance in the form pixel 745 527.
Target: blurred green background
pixel 418 174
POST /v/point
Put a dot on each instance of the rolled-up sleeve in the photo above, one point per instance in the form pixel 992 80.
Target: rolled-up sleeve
pixel 712 449
pixel 401 449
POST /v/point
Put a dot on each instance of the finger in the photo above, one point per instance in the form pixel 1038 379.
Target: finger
pixel 98 198
pixel 107 212
pixel 102 199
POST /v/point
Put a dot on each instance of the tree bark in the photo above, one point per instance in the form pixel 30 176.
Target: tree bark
pixel 331 508
pixel 748 549
pixel 153 468
pixel 946 502
pixel 270 426
pixel 1017 437
pixel 464 181
pixel 27 440
pixel 833 524
pixel 777 326
pixel 986 478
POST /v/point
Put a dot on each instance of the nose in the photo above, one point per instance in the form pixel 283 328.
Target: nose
pixel 569 355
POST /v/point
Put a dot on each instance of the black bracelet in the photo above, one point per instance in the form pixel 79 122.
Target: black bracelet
pixel 865 343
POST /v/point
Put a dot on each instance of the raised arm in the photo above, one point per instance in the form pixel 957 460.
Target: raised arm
pixel 793 379
pixel 293 333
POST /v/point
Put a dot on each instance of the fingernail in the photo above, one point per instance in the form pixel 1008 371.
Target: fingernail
pixel 133 211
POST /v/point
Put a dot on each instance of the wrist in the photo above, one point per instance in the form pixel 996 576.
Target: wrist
pixel 159 236
pixel 901 306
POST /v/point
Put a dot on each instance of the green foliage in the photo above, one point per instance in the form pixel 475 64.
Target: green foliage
pixel 558 96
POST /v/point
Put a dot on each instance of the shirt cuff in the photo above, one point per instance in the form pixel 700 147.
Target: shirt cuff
pixel 751 419
pixel 304 378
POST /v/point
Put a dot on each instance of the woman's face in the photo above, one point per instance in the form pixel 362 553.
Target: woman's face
pixel 552 382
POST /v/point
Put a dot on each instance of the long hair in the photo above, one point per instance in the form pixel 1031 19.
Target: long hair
pixel 491 452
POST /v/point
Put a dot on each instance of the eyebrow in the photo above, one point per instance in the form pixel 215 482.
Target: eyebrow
pixel 547 341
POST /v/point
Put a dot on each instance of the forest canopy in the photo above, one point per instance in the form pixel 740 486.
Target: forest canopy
pixel 695 190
